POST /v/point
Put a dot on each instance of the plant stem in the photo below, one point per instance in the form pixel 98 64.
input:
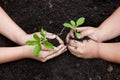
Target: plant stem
pixel 61 31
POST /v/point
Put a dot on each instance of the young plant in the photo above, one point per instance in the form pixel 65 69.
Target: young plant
pixel 38 42
pixel 72 25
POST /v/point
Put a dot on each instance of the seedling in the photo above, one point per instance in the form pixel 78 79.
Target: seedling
pixel 72 25
pixel 38 42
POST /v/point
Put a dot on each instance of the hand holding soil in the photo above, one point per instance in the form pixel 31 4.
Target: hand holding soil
pixel 95 49
pixel 85 49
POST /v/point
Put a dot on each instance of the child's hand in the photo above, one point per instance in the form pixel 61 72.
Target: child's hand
pixel 47 54
pixel 85 49
pixel 91 32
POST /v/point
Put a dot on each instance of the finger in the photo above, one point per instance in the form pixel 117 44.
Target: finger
pixel 56 54
pixel 85 41
pixel 69 35
pixel 46 49
pixel 84 44
pixel 71 48
pixel 83 28
pixel 59 40
pixel 72 33
pixel 87 32
pixel 51 35
pixel 74 51
pixel 68 38
pixel 74 43
pixel 44 54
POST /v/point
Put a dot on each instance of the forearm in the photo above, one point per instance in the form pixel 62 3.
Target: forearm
pixel 111 26
pixel 13 53
pixel 109 51
pixel 10 29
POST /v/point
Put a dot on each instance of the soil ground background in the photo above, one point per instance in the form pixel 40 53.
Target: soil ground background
pixel 31 15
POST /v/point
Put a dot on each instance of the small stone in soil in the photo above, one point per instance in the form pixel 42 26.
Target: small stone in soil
pixel 110 68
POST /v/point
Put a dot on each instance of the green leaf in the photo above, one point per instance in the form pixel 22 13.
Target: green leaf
pixel 77 35
pixel 36 37
pixel 43 32
pixel 31 43
pixel 68 25
pixel 37 50
pixel 80 21
pixel 73 23
pixel 48 45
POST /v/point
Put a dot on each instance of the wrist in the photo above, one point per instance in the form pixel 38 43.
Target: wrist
pixel 98 50
pixel 24 38
pixel 28 51
pixel 99 35
pixel 99 53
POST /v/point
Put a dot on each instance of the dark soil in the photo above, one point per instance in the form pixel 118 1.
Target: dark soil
pixel 31 15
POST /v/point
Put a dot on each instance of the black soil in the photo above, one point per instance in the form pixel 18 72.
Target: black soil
pixel 31 15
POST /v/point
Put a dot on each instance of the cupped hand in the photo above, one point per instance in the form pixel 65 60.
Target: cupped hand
pixel 85 49
pixel 91 32
pixel 47 54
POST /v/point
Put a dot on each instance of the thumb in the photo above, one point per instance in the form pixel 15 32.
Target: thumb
pixel 87 32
